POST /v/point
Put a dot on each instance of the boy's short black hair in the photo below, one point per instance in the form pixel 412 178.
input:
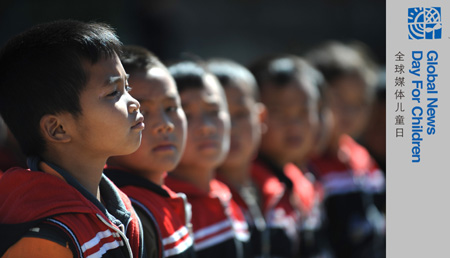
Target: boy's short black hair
pixel 188 74
pixel 335 59
pixel 229 71
pixel 137 59
pixel 281 69
pixel 42 72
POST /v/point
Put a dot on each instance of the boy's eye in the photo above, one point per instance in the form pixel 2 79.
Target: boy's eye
pixel 171 109
pixel 241 114
pixel 214 112
pixel 113 94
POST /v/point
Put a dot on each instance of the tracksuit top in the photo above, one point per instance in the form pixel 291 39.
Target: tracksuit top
pixel 281 208
pixel 170 212
pixel 248 200
pixel 310 198
pixel 350 178
pixel 31 198
pixel 352 170
pixel 219 227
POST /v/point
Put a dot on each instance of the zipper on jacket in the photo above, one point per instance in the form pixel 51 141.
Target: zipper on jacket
pixel 187 214
pixel 122 235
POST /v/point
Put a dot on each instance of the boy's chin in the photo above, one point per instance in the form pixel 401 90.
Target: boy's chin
pixel 235 161
pixel 126 150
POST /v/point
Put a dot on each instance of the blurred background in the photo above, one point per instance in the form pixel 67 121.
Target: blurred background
pixel 238 29
pixel 242 30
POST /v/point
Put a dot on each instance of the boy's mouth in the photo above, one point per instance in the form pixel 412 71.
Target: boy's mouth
pixel 165 147
pixel 139 123
pixel 208 144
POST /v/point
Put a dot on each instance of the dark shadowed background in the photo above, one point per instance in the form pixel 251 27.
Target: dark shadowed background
pixel 237 29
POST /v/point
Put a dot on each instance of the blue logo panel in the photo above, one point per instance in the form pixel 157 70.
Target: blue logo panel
pixel 424 23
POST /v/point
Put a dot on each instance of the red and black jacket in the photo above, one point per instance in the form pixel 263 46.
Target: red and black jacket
pixel 219 227
pixel 351 169
pixel 351 178
pixel 168 211
pixel 29 198
pixel 248 199
pixel 281 208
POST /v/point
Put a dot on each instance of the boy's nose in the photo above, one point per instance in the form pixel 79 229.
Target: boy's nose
pixel 207 126
pixel 134 106
pixel 163 124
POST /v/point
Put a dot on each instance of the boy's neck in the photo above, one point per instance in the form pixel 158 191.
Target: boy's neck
pixel 237 176
pixel 199 177
pixel 302 165
pixel 302 162
pixel 333 146
pixel 87 172
pixel 272 159
pixel 155 177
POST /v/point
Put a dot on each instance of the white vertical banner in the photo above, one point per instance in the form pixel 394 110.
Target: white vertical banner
pixel 418 128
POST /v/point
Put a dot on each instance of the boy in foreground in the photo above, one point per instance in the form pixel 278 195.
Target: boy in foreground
pixel 219 227
pixel 64 95
pixel 165 215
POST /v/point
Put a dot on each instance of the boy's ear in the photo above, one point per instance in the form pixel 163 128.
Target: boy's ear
pixel 53 129
pixel 262 116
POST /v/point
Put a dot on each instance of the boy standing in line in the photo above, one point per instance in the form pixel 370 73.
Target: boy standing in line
pixel 165 215
pixel 219 227
pixel 287 90
pixel 351 179
pixel 64 95
pixel 246 114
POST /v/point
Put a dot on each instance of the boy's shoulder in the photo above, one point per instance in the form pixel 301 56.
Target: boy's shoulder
pixel 350 156
pixel 27 195
pixel 162 212
pixel 358 156
pixel 189 189
pixel 29 198
pixel 219 189
pixel 265 180
pixel 147 195
pixel 303 187
pixel 126 180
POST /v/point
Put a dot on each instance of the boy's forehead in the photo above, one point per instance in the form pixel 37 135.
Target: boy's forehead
pixel 238 95
pixel 152 84
pixel 105 72
pixel 240 87
pixel 209 94
pixel 289 93
pixel 212 89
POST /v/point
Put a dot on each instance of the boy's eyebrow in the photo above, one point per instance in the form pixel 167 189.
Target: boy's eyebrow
pixel 166 98
pixel 113 79
pixel 171 97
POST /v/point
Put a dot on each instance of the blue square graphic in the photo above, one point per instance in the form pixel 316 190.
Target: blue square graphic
pixel 424 23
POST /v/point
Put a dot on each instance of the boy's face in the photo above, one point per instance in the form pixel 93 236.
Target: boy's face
pixel 164 137
pixel 350 106
pixel 110 122
pixel 208 125
pixel 245 125
pixel 292 120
